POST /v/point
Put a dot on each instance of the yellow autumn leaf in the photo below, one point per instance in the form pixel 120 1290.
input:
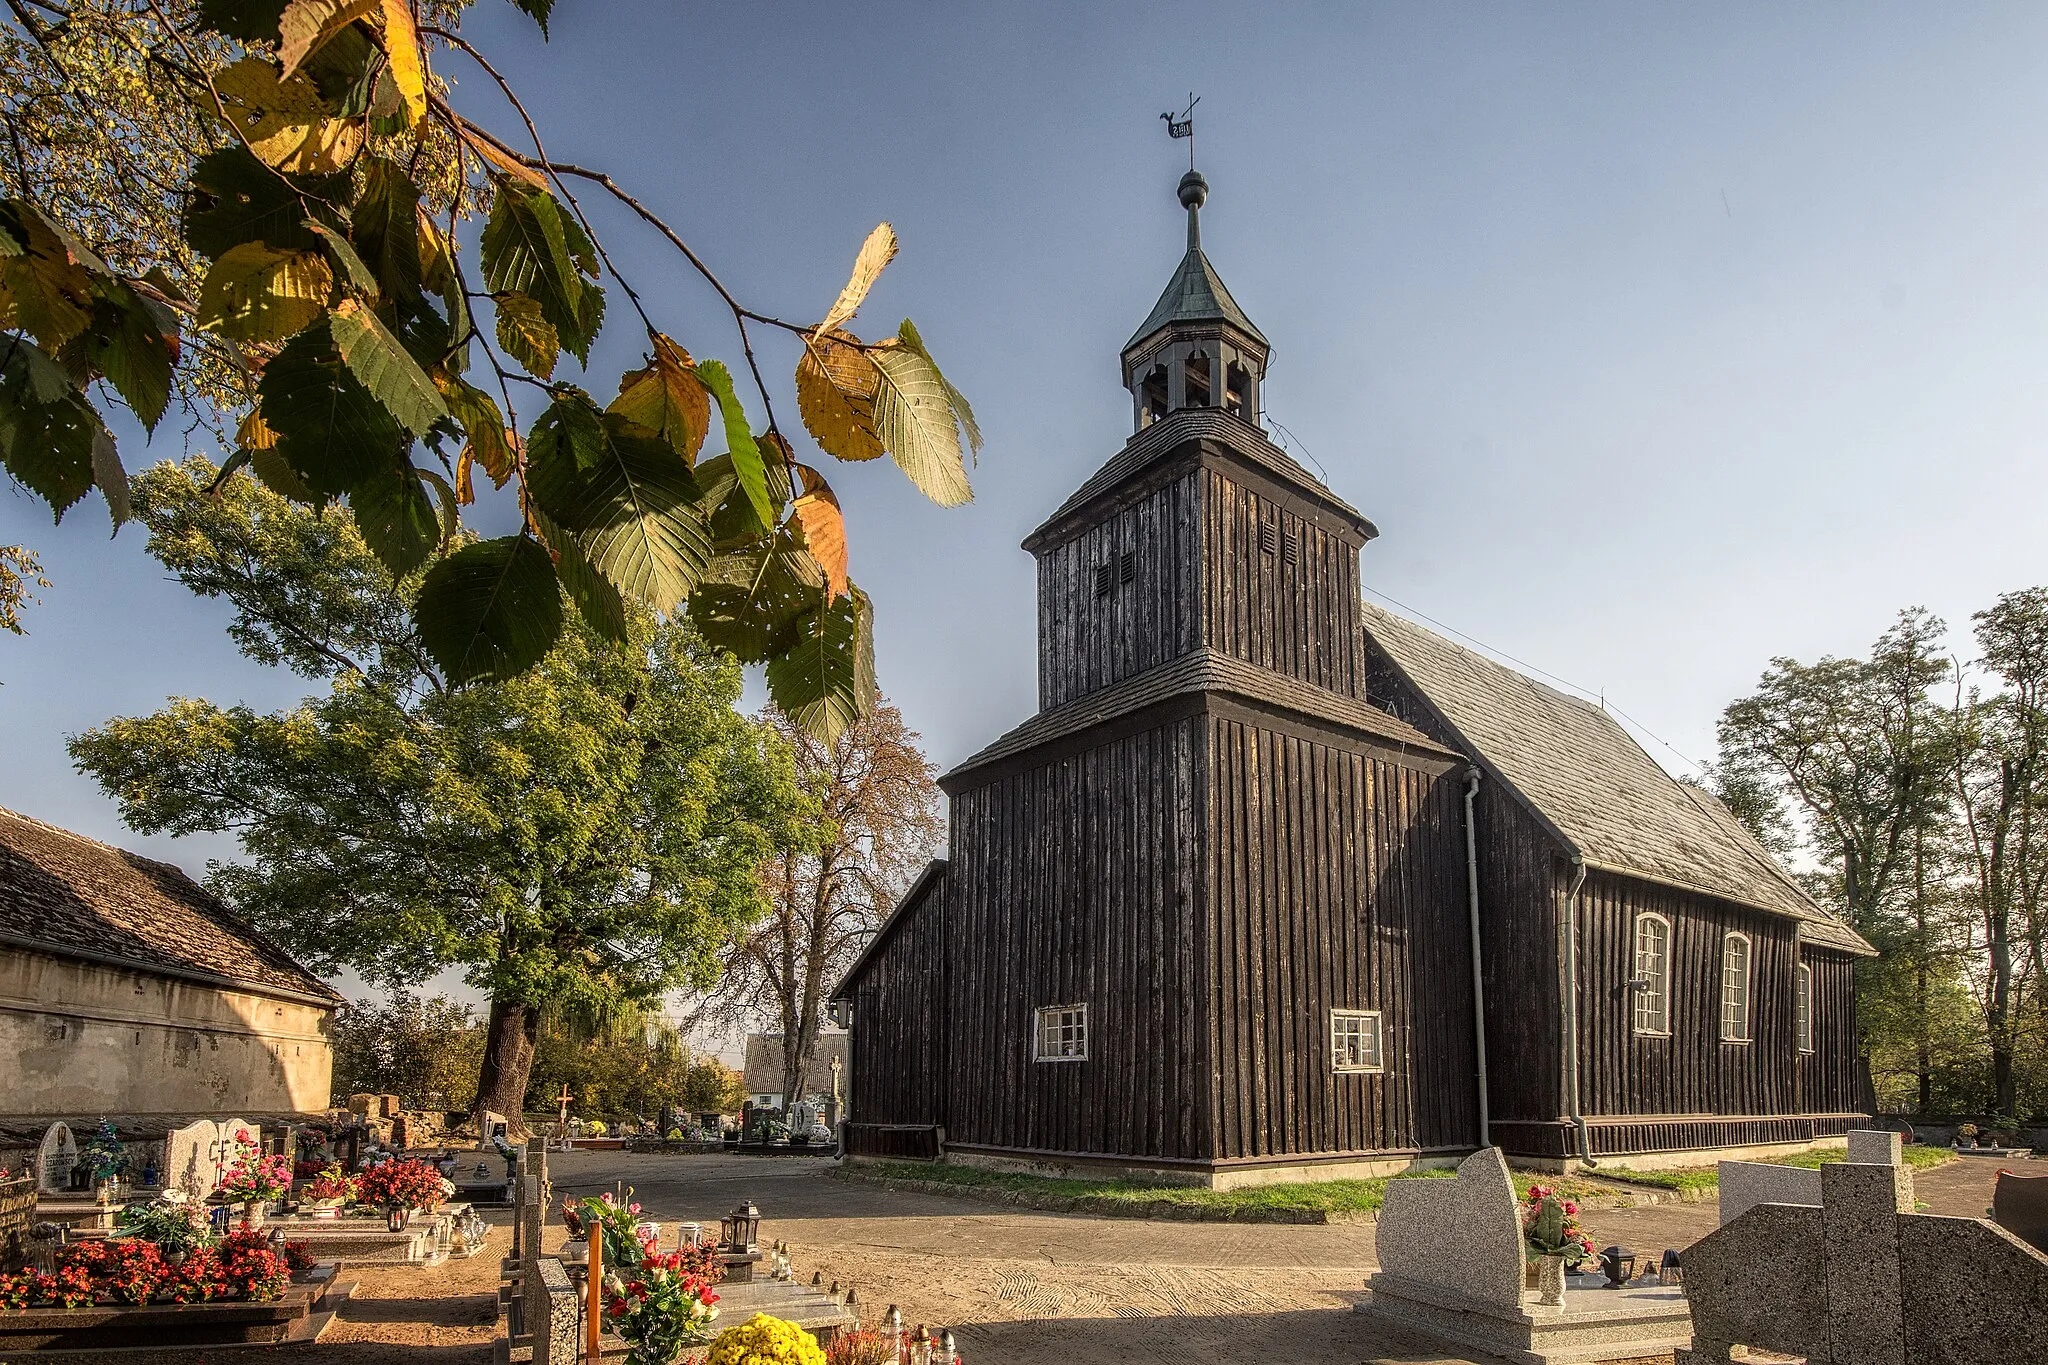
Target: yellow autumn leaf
pixel 835 395
pixel 255 433
pixel 875 253
pixel 529 337
pixel 258 293
pixel 465 491
pixel 915 420
pixel 667 398
pixel 306 25
pixel 487 147
pixel 824 524
pixel 408 63
pixel 285 121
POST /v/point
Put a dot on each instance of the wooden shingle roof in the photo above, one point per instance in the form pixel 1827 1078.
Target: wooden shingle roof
pixel 70 896
pixel 1585 777
pixel 1203 670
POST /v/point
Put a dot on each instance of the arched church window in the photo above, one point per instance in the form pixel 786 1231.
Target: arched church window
pixel 1237 391
pixel 1197 380
pixel 1152 396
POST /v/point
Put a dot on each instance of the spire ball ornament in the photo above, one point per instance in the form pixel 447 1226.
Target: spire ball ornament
pixel 1194 190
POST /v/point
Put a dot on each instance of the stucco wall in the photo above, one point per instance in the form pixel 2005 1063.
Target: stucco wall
pixel 80 1038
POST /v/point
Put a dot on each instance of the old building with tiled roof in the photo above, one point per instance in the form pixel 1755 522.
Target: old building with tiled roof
pixel 1277 886
pixel 128 988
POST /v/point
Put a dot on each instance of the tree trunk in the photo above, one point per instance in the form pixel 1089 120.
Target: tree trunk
pixel 509 1039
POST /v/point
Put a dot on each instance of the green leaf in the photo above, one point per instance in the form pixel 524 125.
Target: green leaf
pixel 963 412
pixel 385 226
pixel 527 337
pixel 256 292
pixel 352 265
pixel 667 398
pixel 628 498
pixel 236 198
pixel 825 680
pixel 491 610
pixel 47 446
pixel 280 478
pixel 917 426
pixel 391 375
pixel 251 21
pixel 109 475
pixel 597 601
pixel 345 71
pixel 46 290
pixel 135 356
pixel 526 251
pixel 752 600
pixel 330 428
pixel 397 519
pixel 739 441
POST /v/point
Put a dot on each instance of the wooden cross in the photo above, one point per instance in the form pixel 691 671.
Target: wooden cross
pixel 564 1097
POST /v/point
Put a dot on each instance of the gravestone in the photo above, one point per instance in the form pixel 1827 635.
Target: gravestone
pixel 1875 1147
pixel 1864 1280
pixel 1464 1235
pixel 55 1158
pixel 190 1159
pixel 554 1326
pixel 1746 1184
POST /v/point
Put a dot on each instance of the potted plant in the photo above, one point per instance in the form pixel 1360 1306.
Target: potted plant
pixel 1966 1135
pixel 401 1189
pixel 105 1159
pixel 660 1306
pixel 327 1191
pixel 171 1222
pixel 255 1181
pixel 765 1340
pixel 1553 1238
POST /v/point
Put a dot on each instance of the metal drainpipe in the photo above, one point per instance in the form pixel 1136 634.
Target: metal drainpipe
pixel 1478 963
pixel 1571 1006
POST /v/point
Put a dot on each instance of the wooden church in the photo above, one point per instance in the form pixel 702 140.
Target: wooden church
pixel 1278 886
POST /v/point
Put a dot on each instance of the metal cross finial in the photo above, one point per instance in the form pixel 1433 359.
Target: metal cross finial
pixel 1184 126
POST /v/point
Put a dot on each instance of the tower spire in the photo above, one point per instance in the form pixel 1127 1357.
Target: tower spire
pixel 1194 192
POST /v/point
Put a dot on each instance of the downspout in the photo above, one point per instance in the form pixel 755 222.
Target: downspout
pixel 1571 1007
pixel 1478 962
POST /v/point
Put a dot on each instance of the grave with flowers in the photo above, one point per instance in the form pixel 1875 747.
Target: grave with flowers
pixel 1456 1262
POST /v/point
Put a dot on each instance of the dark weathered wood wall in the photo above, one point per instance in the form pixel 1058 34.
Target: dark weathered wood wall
pixel 1080 882
pixel 1692 1071
pixel 1827 1075
pixel 1087 640
pixel 899 1028
pixel 1295 613
pixel 1338 884
pixel 1520 887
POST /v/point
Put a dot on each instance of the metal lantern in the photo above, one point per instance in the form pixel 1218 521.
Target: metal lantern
pixel 1620 1265
pixel 737 1230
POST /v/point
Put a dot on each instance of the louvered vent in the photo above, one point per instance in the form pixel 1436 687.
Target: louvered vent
pixel 1126 567
pixel 1103 579
pixel 1290 551
pixel 1269 539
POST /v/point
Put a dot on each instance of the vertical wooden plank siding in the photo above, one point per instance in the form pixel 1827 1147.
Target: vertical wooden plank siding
pixel 1827 1075
pixel 899 1033
pixel 1078 882
pixel 1692 1071
pixel 1086 640
pixel 1336 883
pixel 1300 619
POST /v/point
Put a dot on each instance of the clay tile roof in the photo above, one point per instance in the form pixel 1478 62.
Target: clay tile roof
pixel 1587 778
pixel 67 895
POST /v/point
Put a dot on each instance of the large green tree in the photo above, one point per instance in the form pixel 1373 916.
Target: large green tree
pixel 271 212
pixel 582 835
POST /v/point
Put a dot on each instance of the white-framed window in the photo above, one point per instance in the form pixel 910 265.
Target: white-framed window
pixel 1735 988
pixel 1355 1040
pixel 1062 1034
pixel 1805 1007
pixel 1653 975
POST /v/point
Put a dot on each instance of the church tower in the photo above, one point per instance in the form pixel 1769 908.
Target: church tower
pixel 1197 875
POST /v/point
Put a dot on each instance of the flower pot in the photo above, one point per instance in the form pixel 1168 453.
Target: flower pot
pixel 1550 1281
pixel 254 1211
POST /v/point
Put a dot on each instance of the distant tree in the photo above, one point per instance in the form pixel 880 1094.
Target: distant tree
pixel 712 1087
pixel 880 812
pixel 2001 787
pixel 20 574
pixel 409 1046
pixel 585 834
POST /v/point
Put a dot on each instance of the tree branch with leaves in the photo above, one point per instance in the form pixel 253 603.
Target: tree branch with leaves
pixel 288 256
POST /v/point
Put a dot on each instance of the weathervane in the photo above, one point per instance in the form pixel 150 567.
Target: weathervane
pixel 1184 126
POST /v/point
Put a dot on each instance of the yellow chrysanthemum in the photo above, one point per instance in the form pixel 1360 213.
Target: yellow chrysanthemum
pixel 763 1340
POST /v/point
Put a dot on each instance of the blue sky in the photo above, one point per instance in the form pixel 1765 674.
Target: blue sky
pixel 1657 340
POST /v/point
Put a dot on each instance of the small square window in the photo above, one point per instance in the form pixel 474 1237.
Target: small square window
pixel 1062 1033
pixel 1355 1040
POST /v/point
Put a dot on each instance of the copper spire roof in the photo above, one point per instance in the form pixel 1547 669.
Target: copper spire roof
pixel 1196 292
